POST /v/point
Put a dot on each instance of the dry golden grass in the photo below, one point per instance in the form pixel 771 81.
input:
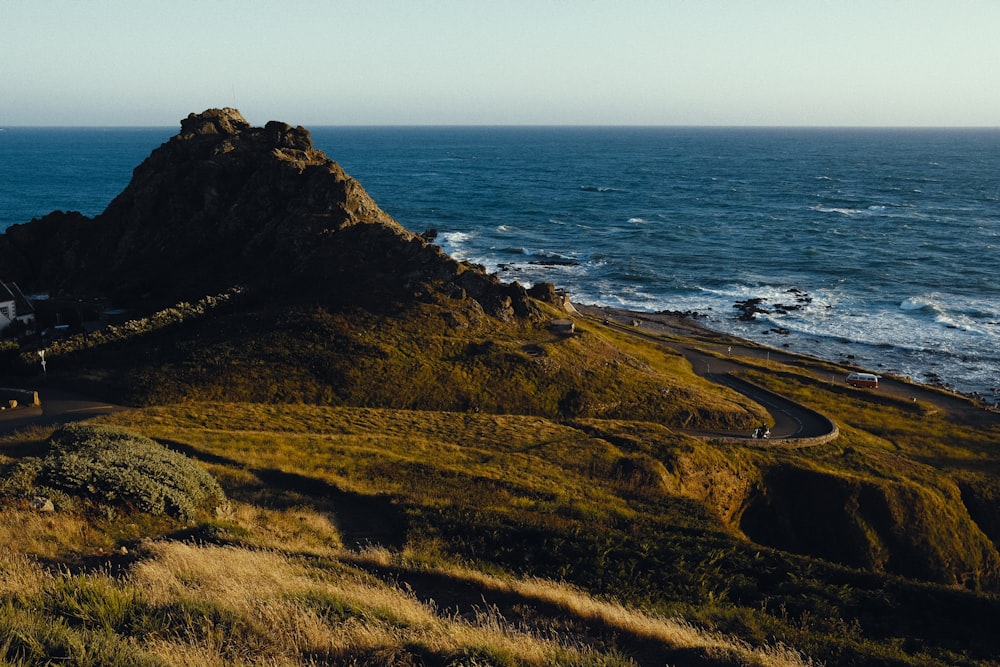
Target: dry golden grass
pixel 297 600
pixel 273 591
pixel 299 529
pixel 672 633
pixel 49 536
pixel 19 574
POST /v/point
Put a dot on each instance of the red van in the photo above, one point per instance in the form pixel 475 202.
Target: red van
pixel 862 380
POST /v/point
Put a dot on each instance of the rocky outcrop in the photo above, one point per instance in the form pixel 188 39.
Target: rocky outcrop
pixel 224 203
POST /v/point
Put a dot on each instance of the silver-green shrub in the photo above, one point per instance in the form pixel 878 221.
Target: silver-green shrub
pixel 119 467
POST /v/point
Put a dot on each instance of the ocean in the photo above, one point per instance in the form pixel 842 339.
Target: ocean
pixel 877 247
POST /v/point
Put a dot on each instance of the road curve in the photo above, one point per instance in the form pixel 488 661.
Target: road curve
pixel 789 420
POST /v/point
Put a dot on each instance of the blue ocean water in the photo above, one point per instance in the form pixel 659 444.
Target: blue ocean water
pixel 877 246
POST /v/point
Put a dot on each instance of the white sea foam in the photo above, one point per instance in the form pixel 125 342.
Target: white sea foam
pixel 971 316
pixel 457 238
pixel 919 303
pixel 456 244
pixel 836 209
pixel 836 326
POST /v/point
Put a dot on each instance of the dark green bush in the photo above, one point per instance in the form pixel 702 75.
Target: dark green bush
pixel 118 467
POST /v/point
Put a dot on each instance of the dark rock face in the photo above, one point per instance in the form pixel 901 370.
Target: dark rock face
pixel 225 203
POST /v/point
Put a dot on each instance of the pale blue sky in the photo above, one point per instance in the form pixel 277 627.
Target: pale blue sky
pixel 592 62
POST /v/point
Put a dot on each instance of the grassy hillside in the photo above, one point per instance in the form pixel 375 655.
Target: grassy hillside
pixel 423 484
pixel 436 354
pixel 372 454
pixel 385 536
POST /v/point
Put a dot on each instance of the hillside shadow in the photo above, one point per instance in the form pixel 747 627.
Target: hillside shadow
pixel 473 602
pixel 362 519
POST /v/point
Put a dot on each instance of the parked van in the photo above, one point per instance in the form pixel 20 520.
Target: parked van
pixel 862 380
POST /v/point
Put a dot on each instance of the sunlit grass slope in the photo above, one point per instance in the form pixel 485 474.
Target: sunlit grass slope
pixel 379 536
pixel 265 578
pixel 438 355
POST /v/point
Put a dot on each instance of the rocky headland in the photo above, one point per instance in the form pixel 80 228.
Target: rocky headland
pixel 224 203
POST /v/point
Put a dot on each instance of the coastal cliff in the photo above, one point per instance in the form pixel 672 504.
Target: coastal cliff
pixel 224 203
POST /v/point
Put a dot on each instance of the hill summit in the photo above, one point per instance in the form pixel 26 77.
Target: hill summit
pixel 225 203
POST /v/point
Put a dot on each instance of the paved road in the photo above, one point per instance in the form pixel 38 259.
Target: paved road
pixel 57 407
pixel 789 420
pixel 959 409
pixel 715 356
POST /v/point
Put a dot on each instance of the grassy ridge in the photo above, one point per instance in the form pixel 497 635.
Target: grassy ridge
pixel 418 355
pixel 622 512
pixel 269 582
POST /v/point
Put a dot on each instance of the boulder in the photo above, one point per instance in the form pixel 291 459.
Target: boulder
pixel 42 504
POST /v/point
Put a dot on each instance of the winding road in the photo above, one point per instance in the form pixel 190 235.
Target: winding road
pixel 789 420
pixel 716 357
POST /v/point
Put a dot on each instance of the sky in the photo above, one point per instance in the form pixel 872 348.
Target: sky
pixel 504 62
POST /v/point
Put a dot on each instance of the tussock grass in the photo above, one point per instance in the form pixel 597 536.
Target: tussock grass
pixel 674 634
pixel 19 575
pixel 49 536
pixel 206 605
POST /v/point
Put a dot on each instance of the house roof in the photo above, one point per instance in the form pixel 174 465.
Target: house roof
pixel 11 292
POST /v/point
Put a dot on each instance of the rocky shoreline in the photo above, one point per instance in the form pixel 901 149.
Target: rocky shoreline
pixel 682 323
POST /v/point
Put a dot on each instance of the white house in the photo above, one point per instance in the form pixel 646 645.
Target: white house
pixel 14 307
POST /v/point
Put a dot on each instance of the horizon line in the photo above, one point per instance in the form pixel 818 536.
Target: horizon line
pixel 540 126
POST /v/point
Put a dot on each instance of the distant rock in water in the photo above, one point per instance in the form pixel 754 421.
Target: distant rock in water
pixel 224 203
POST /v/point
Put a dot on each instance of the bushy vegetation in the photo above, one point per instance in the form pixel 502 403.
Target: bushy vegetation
pixel 118 468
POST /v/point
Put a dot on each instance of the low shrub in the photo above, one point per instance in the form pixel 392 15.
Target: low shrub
pixel 118 467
